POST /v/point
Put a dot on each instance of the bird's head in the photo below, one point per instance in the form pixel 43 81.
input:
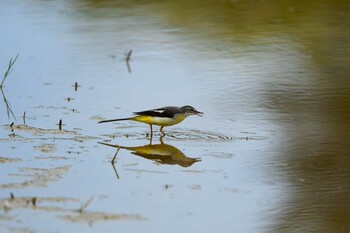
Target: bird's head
pixel 189 110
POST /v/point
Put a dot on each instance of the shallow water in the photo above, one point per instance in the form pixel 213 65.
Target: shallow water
pixel 271 153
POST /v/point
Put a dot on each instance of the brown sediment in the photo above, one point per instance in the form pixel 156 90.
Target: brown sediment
pixel 39 177
pixel 9 160
pixel 45 148
pixel 54 204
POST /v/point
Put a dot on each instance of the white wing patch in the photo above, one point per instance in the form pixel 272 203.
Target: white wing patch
pixel 160 110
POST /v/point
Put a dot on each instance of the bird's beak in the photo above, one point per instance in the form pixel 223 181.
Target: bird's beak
pixel 199 114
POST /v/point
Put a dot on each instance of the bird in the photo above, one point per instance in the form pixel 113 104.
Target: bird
pixel 160 153
pixel 165 116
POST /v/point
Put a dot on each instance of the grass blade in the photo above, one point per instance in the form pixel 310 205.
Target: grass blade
pixel 9 69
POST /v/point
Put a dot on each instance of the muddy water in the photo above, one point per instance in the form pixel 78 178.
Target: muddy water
pixel 271 153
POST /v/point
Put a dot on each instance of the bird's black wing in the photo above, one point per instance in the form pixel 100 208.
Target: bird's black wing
pixel 159 112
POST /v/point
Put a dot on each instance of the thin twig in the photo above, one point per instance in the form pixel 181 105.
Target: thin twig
pixel 80 210
pixel 24 117
pixel 60 124
pixel 127 59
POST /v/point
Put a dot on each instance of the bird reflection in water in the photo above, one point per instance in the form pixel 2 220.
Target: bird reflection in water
pixel 161 153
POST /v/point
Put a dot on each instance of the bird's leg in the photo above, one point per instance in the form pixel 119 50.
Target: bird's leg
pixel 161 130
pixel 115 155
pixel 161 139
pixel 151 131
pixel 150 139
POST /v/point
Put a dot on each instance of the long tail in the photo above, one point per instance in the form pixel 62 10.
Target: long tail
pixel 116 146
pixel 121 119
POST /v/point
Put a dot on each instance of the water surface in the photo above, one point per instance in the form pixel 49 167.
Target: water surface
pixel 269 155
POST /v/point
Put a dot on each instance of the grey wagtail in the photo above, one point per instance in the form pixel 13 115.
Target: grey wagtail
pixel 160 153
pixel 162 117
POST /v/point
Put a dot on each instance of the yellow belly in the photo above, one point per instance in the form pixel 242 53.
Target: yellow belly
pixel 161 121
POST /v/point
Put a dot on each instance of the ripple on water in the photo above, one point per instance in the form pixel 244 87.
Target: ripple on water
pixel 193 135
pixel 208 135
